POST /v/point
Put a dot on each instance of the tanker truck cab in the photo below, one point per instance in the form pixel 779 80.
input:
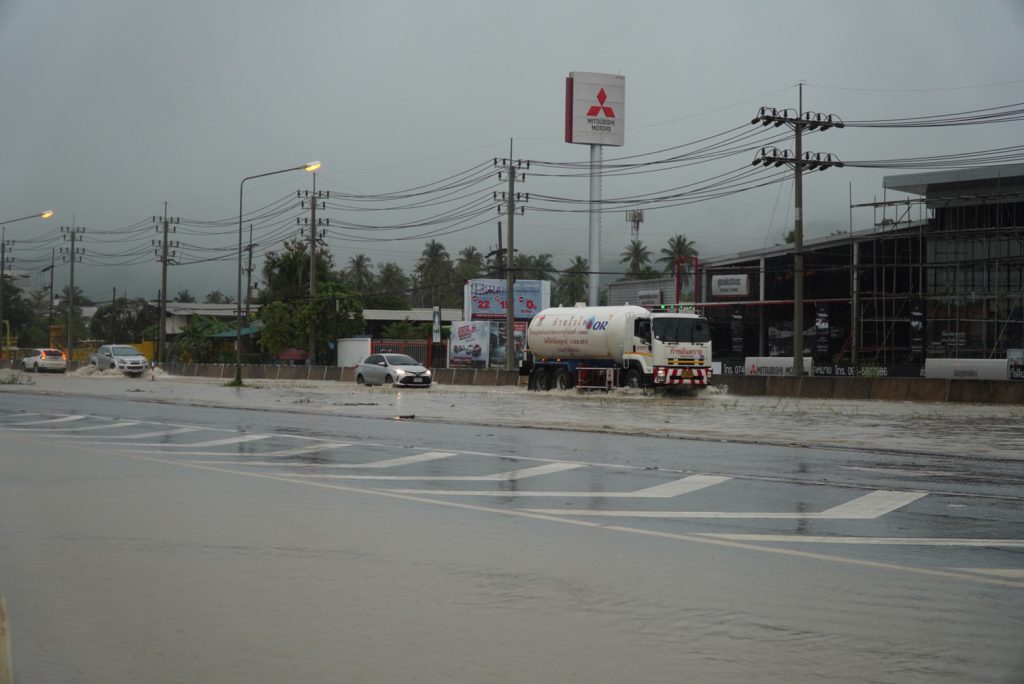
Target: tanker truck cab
pixel 640 348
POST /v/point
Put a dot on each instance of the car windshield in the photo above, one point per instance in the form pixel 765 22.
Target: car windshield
pixel 401 360
pixel 671 329
pixel 124 351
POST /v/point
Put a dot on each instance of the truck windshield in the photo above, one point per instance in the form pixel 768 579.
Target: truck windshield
pixel 693 330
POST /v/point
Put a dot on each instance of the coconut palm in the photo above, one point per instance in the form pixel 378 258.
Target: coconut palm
pixel 637 258
pixel 678 246
pixel 434 269
pixel 359 275
pixel 572 284
pixel 471 263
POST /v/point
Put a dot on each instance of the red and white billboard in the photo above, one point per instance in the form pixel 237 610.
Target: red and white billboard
pixel 595 108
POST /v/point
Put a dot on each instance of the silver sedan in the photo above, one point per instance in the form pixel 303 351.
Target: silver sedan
pixel 392 369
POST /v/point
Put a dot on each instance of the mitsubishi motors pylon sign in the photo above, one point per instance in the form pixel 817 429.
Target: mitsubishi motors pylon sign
pixel 595 108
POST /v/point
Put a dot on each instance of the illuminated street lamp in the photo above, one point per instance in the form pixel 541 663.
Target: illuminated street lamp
pixel 311 166
pixel 3 264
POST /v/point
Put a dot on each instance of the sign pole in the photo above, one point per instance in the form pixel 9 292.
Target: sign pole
pixel 593 292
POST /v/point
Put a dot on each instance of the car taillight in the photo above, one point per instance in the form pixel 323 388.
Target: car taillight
pixel 42 355
pixel 64 355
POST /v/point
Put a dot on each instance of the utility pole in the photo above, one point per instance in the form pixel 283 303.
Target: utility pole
pixel 165 255
pixel 71 255
pixel 314 199
pixel 4 242
pixel 511 198
pixel 798 121
pixel 248 273
pixel 49 301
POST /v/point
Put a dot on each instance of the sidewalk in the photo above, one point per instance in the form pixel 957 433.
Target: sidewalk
pixel 988 431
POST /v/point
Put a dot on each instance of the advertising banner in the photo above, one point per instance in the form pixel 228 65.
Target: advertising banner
pixel 486 298
pixel 736 330
pixel 499 343
pixel 595 108
pixel 1015 364
pixel 823 333
pixel 916 328
pixel 469 344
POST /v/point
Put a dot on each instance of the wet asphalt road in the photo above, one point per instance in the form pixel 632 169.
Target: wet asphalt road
pixel 173 544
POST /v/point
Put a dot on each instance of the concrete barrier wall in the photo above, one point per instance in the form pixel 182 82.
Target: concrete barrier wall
pixel 810 387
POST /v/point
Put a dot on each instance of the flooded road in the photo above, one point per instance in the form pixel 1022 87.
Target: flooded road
pixel 154 543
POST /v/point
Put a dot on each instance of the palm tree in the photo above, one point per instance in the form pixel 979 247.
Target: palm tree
pixel 392 290
pixel 637 258
pixel 359 275
pixel 434 269
pixel 572 284
pixel 471 261
pixel 678 246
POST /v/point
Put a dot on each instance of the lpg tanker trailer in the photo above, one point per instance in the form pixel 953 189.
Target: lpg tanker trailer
pixel 626 346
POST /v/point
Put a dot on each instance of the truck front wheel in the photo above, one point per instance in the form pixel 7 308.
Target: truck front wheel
pixel 633 379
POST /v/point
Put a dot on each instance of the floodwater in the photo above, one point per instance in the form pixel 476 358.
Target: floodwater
pixel 124 565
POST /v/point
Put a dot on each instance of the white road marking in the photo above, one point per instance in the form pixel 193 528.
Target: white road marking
pixel 388 463
pixel 867 507
pixel 106 426
pixel 240 439
pixel 507 476
pixel 65 419
pixel 905 471
pixel 873 505
pixel 870 541
pixel 662 491
pixel 147 435
pixel 1008 573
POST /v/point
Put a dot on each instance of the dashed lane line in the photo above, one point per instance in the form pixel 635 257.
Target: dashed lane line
pixel 872 541
pixel 667 490
pixel 386 463
pixel 867 507
pixel 507 476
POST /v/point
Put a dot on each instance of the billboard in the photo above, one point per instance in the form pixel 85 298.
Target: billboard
pixel 484 298
pixel 595 108
pixel 734 285
pixel 468 346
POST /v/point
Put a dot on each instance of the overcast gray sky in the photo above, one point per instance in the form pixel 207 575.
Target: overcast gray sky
pixel 113 107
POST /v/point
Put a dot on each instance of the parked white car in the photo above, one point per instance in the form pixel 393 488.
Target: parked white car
pixel 122 357
pixel 45 360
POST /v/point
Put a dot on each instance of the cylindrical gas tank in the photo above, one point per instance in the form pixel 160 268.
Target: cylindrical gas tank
pixel 589 332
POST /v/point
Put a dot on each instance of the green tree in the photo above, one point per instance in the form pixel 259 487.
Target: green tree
pixel 60 315
pixel 286 272
pixel 637 258
pixel 435 274
pixel 359 274
pixel 280 330
pixel 125 320
pixel 194 344
pixel 406 330
pixel 184 297
pixel 678 246
pixel 572 284
pixel 392 290
pixel 218 297
pixel 335 312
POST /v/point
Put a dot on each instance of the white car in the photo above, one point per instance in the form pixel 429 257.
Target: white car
pixel 392 369
pixel 122 357
pixel 45 360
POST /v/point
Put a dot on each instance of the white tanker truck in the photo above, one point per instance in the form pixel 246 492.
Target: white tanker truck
pixel 625 346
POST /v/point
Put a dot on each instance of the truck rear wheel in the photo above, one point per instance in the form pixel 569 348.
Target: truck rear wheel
pixel 562 379
pixel 539 379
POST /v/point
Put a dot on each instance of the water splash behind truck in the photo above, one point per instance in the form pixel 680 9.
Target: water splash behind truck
pixel 626 346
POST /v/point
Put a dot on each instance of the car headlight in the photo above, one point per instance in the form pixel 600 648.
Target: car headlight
pixel 427 373
pixel 400 372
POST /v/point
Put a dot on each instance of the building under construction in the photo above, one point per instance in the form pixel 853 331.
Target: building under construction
pixel 939 275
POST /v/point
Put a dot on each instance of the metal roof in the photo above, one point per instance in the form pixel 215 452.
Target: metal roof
pixel 991 179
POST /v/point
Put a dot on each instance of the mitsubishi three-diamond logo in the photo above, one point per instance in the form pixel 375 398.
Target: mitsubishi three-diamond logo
pixel 600 107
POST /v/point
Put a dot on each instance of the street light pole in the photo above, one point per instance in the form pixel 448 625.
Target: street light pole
pixel 311 166
pixel 3 258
